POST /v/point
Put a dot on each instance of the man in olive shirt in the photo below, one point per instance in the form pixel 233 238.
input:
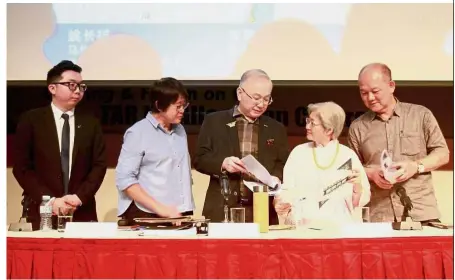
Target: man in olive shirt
pixel 411 136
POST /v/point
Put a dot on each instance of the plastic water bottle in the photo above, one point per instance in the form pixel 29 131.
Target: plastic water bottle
pixel 45 214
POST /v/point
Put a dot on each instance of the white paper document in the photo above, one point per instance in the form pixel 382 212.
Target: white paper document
pixel 168 232
pixel 390 174
pixel 258 171
pixel 234 230
pixel 91 230
pixel 335 185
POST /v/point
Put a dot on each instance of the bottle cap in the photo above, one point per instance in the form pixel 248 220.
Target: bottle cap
pixel 46 197
pixel 260 188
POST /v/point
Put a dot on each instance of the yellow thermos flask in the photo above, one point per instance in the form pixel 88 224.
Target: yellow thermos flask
pixel 261 208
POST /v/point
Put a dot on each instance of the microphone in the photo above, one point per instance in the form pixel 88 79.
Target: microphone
pixel 406 221
pixel 23 225
pixel 224 182
pixel 225 191
pixel 26 201
pixel 404 199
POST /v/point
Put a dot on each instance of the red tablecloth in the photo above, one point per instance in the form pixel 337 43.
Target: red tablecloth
pixel 413 257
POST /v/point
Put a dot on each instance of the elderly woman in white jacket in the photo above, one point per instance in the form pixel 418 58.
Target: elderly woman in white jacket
pixel 315 169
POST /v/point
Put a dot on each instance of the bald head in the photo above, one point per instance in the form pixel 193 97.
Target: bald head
pixel 377 88
pixel 376 69
pixel 254 93
pixel 254 73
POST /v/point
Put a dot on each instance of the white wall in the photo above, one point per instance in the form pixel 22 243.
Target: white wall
pixel 107 195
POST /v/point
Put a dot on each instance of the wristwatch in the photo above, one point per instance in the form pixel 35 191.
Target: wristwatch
pixel 420 168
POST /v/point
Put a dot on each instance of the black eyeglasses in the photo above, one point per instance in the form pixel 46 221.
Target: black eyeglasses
pixel 258 100
pixel 73 86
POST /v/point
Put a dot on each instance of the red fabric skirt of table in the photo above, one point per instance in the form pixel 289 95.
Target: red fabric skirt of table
pixel 412 257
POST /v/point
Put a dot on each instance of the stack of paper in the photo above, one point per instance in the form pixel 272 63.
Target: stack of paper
pixel 255 168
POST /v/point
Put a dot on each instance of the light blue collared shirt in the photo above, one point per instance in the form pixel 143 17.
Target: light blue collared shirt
pixel 158 161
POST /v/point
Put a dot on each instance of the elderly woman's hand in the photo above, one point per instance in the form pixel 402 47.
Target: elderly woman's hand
pixel 355 179
pixel 281 207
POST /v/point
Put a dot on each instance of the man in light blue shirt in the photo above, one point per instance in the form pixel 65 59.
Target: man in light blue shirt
pixel 153 174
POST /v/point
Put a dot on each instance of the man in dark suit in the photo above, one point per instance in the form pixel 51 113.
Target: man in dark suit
pixel 227 136
pixel 60 152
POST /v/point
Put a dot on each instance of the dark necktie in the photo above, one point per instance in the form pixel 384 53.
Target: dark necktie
pixel 65 152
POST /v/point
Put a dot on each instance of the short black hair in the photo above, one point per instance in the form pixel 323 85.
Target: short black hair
pixel 165 92
pixel 55 74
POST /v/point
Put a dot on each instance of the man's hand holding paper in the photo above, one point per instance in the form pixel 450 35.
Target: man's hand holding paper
pixel 389 169
pixel 256 170
pixel 233 165
pixel 405 170
pixel 377 175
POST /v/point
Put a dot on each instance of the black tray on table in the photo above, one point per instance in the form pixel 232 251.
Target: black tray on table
pixel 184 222
pixel 165 223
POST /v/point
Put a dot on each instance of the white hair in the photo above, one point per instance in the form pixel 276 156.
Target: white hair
pixel 253 73
pixel 332 116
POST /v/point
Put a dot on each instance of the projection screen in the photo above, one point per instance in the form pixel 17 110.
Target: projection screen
pixel 220 41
